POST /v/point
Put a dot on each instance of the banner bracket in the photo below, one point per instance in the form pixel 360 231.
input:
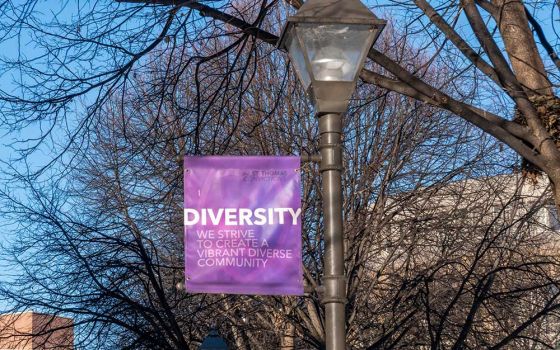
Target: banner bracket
pixel 310 158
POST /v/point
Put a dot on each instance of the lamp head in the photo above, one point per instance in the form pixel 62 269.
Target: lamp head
pixel 327 41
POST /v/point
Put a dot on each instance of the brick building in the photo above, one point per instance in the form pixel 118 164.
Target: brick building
pixel 34 331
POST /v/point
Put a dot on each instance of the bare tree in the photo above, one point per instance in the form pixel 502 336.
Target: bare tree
pixel 96 51
pixel 103 243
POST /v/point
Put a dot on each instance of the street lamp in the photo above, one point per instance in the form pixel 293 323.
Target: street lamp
pixel 327 41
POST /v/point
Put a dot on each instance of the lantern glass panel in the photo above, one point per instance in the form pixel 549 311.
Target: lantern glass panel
pixel 298 60
pixel 335 51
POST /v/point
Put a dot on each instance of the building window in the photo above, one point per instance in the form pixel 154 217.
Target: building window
pixel 553 220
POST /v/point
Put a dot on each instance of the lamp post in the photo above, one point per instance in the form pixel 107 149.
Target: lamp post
pixel 327 41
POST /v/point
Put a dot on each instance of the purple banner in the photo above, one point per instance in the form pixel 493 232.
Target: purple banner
pixel 243 225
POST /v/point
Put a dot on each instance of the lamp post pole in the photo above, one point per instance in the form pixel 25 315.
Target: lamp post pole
pixel 328 41
pixel 334 281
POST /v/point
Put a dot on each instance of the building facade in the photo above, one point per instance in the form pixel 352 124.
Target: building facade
pixel 34 331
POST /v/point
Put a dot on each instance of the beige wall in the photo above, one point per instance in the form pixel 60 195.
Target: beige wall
pixel 34 331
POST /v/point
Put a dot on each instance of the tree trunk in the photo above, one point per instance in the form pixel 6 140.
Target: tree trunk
pixel 529 70
pixel 521 48
pixel 287 338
